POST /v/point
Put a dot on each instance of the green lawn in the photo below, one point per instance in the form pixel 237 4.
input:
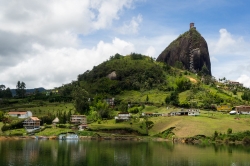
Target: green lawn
pixel 154 96
pixel 48 108
pixel 205 124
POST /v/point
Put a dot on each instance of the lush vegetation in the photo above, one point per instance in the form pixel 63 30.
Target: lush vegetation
pixel 136 84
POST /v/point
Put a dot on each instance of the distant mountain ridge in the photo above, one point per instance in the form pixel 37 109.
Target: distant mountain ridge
pixel 28 91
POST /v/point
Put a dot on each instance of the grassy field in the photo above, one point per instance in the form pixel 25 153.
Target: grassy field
pixel 206 124
pixel 155 96
pixel 40 110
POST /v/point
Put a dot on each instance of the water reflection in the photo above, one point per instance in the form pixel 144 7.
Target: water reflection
pixel 118 153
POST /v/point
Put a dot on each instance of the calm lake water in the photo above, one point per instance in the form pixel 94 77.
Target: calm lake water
pixel 118 153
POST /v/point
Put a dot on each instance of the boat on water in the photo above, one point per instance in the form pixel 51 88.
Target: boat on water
pixel 68 136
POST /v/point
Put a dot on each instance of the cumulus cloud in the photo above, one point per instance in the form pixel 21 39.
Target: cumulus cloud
pixel 40 41
pixel 53 67
pixel 132 27
pixel 229 45
pixel 150 51
pixel 245 79
pixel 230 57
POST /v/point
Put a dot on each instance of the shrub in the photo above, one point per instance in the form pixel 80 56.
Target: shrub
pixel 17 134
pixel 246 140
pixel 215 135
pixel 229 131
pixel 133 110
pixel 6 127
pixel 62 126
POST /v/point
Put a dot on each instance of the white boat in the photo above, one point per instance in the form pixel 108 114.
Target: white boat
pixel 68 136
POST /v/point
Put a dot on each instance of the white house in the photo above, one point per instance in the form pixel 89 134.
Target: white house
pixel 78 119
pixel 20 114
pixel 31 124
pixel 189 112
pixel 243 109
pixel 193 112
pixel 123 116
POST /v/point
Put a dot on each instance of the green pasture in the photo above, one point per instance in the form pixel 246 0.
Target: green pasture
pixel 136 124
pixel 205 124
pixel 154 96
pixel 13 132
pixel 53 131
pixel 47 108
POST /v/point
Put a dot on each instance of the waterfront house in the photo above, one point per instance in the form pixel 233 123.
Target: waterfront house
pixel 20 114
pixel 31 124
pixel 78 119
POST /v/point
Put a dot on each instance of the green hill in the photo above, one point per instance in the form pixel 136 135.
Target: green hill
pixel 135 77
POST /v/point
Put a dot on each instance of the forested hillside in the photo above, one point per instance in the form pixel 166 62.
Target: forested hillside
pixel 146 77
pixel 133 72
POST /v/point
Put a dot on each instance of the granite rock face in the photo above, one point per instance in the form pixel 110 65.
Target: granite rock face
pixel 190 49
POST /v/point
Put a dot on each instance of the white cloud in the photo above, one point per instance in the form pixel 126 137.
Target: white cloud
pixel 59 15
pixel 228 45
pixel 230 57
pixel 132 27
pixel 40 41
pixel 245 79
pixel 150 52
pixel 108 11
pixel 53 67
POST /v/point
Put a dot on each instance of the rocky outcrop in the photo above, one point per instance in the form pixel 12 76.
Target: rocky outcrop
pixel 112 75
pixel 190 49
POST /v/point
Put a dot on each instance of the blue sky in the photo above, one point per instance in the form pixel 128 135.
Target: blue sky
pixel 48 43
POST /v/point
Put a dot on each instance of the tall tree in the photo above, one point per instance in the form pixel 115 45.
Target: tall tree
pixel 7 93
pixel 80 97
pixel 20 89
pixel 2 89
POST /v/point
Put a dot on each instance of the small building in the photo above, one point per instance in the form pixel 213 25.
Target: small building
pixel 235 83
pixel 31 124
pixel 123 116
pixel 55 121
pixel 20 114
pixel 78 119
pixel 242 109
pixel 110 101
pixel 82 127
pixel 223 108
pixel 189 112
pixel 193 112
pixel 149 114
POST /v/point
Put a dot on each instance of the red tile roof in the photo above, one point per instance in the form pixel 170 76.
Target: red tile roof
pixel 34 118
pixel 12 113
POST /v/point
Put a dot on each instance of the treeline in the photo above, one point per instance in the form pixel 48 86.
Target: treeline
pixel 5 92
